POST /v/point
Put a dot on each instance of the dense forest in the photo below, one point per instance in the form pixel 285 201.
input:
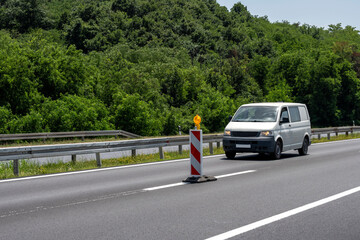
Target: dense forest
pixel 148 66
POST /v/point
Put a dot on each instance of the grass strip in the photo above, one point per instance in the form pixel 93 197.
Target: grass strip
pixel 336 138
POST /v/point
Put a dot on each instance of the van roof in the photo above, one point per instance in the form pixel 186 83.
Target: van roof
pixel 274 104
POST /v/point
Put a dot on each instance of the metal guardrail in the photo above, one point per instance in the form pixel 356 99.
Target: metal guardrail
pixel 28 152
pixel 16 153
pixel 79 134
pixel 336 130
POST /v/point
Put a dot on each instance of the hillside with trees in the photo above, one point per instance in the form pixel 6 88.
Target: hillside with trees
pixel 148 66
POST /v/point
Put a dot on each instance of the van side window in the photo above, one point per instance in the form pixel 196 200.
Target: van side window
pixel 303 114
pixel 284 117
pixel 294 114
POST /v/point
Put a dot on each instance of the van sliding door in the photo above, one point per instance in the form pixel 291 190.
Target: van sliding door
pixel 297 127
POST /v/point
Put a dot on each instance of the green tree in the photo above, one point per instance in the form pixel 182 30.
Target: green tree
pixel 160 62
pixel 5 117
pixel 21 15
pixel 18 90
pixel 176 88
pixel 214 109
pixel 280 93
pixel 325 89
pixel 128 6
pixel 348 98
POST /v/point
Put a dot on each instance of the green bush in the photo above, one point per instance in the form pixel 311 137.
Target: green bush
pixel 73 113
pixel 69 113
pixel 137 116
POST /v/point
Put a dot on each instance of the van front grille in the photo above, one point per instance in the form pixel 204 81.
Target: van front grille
pixel 244 134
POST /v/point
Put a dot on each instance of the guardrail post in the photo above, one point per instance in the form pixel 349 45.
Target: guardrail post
pixel 211 148
pixel 180 149
pixel 16 167
pixel 218 144
pixel 133 152
pixel 319 136
pixel 337 133
pixel 328 136
pixel 98 160
pixel 161 152
pixel 347 133
pixel 73 158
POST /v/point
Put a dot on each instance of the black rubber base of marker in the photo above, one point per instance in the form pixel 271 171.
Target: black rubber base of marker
pixel 200 179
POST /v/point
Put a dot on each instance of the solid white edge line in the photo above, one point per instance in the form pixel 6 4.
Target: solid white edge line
pixel 266 221
pixel 100 169
pixel 184 183
pixel 130 166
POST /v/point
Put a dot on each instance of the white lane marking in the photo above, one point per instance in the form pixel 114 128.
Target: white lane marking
pixel 100 169
pixel 184 183
pixel 234 174
pixel 165 186
pixel 266 221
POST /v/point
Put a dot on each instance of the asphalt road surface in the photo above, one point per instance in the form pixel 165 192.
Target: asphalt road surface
pixel 316 196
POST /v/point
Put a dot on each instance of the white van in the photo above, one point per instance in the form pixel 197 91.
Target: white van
pixel 268 128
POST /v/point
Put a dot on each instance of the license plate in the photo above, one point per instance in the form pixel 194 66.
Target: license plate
pixel 243 146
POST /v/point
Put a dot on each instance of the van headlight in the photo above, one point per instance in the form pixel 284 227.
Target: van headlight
pixel 227 133
pixel 266 134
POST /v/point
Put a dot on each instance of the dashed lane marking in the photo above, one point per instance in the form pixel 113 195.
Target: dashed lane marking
pixel 266 221
pixel 183 183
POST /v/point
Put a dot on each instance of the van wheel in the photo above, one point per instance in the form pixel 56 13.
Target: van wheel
pixel 230 155
pixel 304 149
pixel 277 151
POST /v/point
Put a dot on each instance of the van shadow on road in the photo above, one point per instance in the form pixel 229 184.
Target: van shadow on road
pixel 261 157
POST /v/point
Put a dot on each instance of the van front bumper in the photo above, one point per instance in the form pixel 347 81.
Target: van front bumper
pixel 253 144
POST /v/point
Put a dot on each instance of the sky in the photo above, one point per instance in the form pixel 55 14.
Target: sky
pixel 320 13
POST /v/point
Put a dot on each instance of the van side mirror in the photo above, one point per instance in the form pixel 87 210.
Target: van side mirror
pixel 230 117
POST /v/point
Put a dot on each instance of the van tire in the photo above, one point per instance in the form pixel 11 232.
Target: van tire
pixel 304 149
pixel 277 151
pixel 230 155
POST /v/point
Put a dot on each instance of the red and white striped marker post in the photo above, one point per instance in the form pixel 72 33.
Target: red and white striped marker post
pixel 196 155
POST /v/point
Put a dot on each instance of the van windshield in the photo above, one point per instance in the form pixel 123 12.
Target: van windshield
pixel 256 114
